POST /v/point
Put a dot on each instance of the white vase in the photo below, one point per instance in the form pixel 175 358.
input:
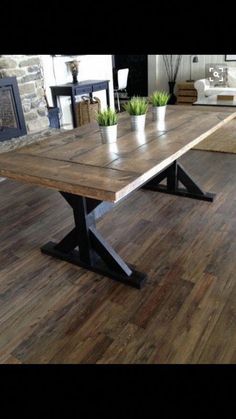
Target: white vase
pixel 138 122
pixel 159 113
pixel 108 133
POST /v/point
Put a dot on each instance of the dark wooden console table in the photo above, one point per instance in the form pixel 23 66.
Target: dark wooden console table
pixel 92 177
pixel 80 88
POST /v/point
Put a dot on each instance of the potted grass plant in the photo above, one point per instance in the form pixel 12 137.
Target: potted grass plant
pixel 159 100
pixel 107 121
pixel 137 108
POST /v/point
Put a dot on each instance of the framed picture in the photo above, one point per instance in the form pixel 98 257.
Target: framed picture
pixel 230 58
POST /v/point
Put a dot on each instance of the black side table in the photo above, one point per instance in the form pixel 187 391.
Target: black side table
pixel 80 88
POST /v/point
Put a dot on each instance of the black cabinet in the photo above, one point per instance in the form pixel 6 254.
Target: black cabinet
pixel 138 72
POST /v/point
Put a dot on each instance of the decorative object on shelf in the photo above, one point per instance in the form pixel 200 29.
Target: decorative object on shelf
pixel 193 59
pixel 172 64
pixel 137 108
pixel 86 110
pixel 173 97
pixel 159 100
pixel 74 69
pixel 107 121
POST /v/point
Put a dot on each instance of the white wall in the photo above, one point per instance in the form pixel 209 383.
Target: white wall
pixel 100 67
pixel 158 80
pixel 152 73
pixel 91 67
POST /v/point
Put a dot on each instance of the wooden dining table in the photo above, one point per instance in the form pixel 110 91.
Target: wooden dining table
pixel 92 177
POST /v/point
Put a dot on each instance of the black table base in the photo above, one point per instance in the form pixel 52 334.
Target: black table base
pixel 174 174
pixel 84 246
pixel 94 253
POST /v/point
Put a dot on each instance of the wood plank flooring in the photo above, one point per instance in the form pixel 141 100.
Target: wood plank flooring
pixel 54 312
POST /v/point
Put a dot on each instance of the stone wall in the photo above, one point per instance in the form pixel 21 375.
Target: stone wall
pixel 28 71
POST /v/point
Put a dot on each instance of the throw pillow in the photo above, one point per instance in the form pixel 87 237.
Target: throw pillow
pixel 232 77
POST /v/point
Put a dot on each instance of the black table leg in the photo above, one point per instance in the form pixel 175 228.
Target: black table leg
pixel 108 97
pixel 94 252
pixel 174 174
pixel 73 110
pixel 54 99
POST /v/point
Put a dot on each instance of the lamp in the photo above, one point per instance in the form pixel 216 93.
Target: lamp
pixel 74 69
pixel 193 59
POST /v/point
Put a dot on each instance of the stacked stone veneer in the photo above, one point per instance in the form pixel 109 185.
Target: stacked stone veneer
pixel 28 71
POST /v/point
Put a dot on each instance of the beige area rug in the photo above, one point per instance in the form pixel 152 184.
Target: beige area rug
pixel 223 140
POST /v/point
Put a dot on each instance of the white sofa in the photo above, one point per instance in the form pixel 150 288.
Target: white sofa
pixel 204 88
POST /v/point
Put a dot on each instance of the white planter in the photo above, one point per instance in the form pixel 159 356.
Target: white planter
pixel 108 133
pixel 159 113
pixel 138 122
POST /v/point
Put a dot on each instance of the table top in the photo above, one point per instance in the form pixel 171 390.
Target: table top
pixel 77 162
pixel 214 101
pixel 80 83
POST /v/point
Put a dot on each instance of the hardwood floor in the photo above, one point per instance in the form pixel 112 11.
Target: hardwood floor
pixel 54 312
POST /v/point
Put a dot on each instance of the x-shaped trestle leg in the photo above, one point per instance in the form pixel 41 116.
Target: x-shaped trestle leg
pixel 94 252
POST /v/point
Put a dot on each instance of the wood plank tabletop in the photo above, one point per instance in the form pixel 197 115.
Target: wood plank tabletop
pixel 76 161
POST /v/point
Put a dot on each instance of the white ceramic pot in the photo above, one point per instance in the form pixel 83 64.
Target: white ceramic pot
pixel 108 133
pixel 159 113
pixel 138 122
